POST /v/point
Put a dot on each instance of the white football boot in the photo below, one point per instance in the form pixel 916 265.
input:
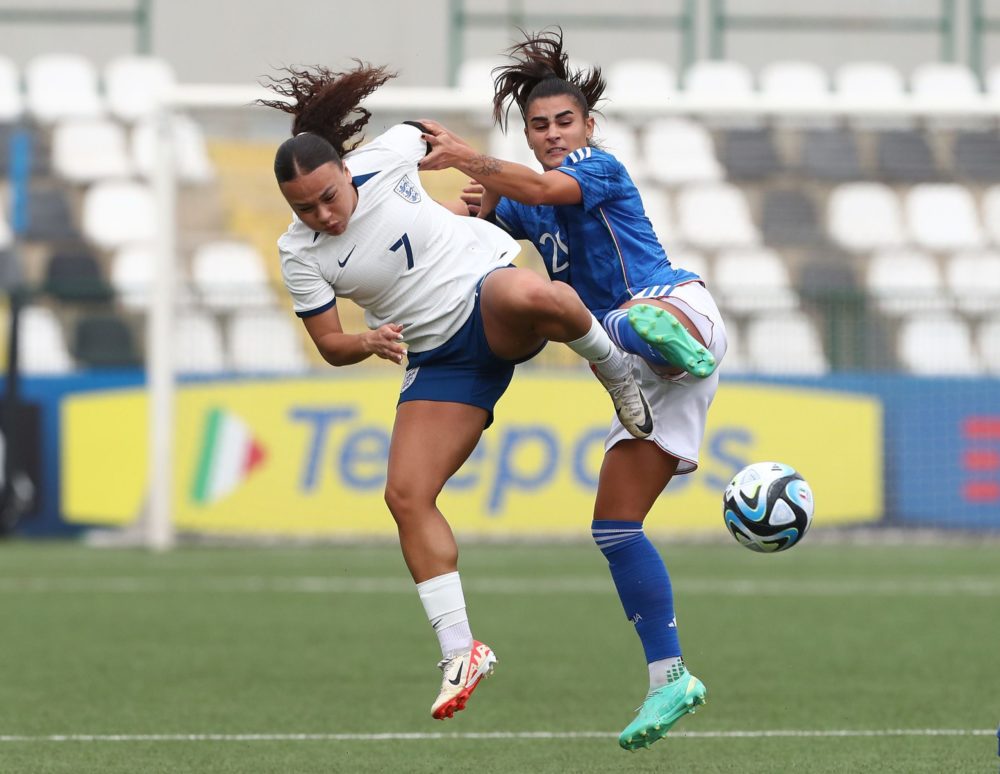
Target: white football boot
pixel 462 674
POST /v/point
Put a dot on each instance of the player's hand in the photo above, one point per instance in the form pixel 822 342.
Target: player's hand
pixel 472 195
pixel 386 341
pixel 447 149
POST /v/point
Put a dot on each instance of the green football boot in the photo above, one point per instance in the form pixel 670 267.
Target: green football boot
pixel 671 339
pixel 662 708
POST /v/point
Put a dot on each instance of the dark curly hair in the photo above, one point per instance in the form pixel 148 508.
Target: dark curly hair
pixel 322 102
pixel 541 69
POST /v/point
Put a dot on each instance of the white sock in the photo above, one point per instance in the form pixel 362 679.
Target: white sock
pixel 598 348
pixel 444 604
pixel 665 671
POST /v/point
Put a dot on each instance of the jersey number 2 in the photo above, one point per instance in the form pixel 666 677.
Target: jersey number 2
pixel 404 241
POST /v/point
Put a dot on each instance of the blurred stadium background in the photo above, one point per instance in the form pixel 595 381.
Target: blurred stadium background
pixel 832 169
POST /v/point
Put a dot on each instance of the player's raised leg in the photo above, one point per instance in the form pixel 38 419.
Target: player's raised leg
pixel 632 476
pixel 422 458
pixel 662 334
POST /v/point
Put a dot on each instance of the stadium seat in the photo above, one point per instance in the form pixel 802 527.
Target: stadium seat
pixel 85 150
pixel 104 341
pixel 640 79
pixel 750 154
pixel 973 278
pixel 976 156
pixel 691 260
pixel 905 157
pixel 266 341
pixel 678 151
pixel 198 344
pixel 229 274
pixel 865 216
pixel 136 85
pixel 715 216
pixel 118 212
pixel 991 213
pixel 937 344
pixel 42 347
pixel 132 276
pixel 993 81
pixel 988 344
pixel 872 83
pixel 789 219
pixel 750 280
pixel 11 101
pixel 943 216
pixel 800 83
pixel 830 154
pixel 656 203
pixel 190 153
pixel 721 79
pixel 784 343
pixel 511 146
pixel 904 281
pixel 734 361
pixel 62 86
pixel 50 218
pixel 75 276
pixel 947 82
pixel 619 139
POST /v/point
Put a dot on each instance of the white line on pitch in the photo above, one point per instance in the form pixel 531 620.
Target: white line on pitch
pixel 788 733
pixel 970 585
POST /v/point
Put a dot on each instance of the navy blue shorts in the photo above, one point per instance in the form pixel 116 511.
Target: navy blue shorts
pixel 463 369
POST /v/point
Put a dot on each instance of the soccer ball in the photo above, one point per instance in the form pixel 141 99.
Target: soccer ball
pixel 768 507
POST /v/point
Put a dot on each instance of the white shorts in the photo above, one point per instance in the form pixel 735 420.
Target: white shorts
pixel 680 404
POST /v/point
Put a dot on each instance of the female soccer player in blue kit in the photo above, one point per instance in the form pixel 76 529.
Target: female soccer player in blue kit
pixel 586 218
pixel 437 289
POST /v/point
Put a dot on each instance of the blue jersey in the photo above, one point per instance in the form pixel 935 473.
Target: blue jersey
pixel 605 246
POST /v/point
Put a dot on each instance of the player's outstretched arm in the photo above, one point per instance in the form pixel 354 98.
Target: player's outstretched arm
pixel 339 348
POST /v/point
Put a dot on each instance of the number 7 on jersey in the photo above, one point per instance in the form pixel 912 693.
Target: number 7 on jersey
pixel 404 241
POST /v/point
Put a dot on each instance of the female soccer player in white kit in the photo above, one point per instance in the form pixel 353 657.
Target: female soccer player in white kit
pixel 585 214
pixel 438 283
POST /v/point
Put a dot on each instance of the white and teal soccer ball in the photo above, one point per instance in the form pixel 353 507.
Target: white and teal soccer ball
pixel 768 507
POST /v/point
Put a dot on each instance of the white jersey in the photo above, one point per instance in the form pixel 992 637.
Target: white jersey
pixel 403 258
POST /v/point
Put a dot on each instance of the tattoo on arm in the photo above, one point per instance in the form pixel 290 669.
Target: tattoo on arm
pixel 484 165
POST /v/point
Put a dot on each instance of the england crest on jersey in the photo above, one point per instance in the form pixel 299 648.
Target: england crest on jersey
pixel 407 190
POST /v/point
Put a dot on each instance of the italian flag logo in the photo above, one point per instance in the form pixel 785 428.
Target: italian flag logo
pixel 229 454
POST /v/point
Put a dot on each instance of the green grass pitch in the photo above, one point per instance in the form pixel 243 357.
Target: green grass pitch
pixel 832 658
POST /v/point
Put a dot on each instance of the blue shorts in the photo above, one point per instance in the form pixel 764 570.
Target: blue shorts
pixel 463 369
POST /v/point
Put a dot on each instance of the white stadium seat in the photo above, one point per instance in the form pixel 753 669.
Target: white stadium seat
pixel 691 260
pixel 715 216
pixel 62 86
pixel 41 343
pixel 937 344
pixel 988 344
pixel 119 212
pixel 789 78
pixel 85 150
pixel 722 80
pixel 136 85
pixel 230 274
pixel 267 341
pixel 905 280
pixel 678 151
pixel 943 216
pixel 620 140
pixel 656 203
pixel 865 216
pixel 991 213
pixel 993 81
pixel 784 343
pixel 512 146
pixel 132 276
pixel 190 153
pixel 640 78
pixel 11 100
pixel 973 278
pixel 749 280
pixel 198 343
pixel 734 361
pixel 947 82
pixel 475 77
pixel 872 83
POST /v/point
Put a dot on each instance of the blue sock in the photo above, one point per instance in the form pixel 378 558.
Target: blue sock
pixel 624 335
pixel 643 585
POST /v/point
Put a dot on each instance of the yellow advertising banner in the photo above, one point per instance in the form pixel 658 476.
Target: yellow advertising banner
pixel 308 457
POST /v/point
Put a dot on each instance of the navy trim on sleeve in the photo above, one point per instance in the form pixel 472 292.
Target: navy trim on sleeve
pixel 317 310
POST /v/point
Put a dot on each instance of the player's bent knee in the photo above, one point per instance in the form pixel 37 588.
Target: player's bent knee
pixel 405 501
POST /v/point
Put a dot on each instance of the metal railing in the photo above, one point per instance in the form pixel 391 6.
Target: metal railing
pixel 515 15
pixel 981 24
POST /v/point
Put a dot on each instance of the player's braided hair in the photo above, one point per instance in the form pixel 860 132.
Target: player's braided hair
pixel 322 102
pixel 541 69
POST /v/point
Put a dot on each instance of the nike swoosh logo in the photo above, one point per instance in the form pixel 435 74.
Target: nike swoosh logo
pixel 458 677
pixel 343 263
